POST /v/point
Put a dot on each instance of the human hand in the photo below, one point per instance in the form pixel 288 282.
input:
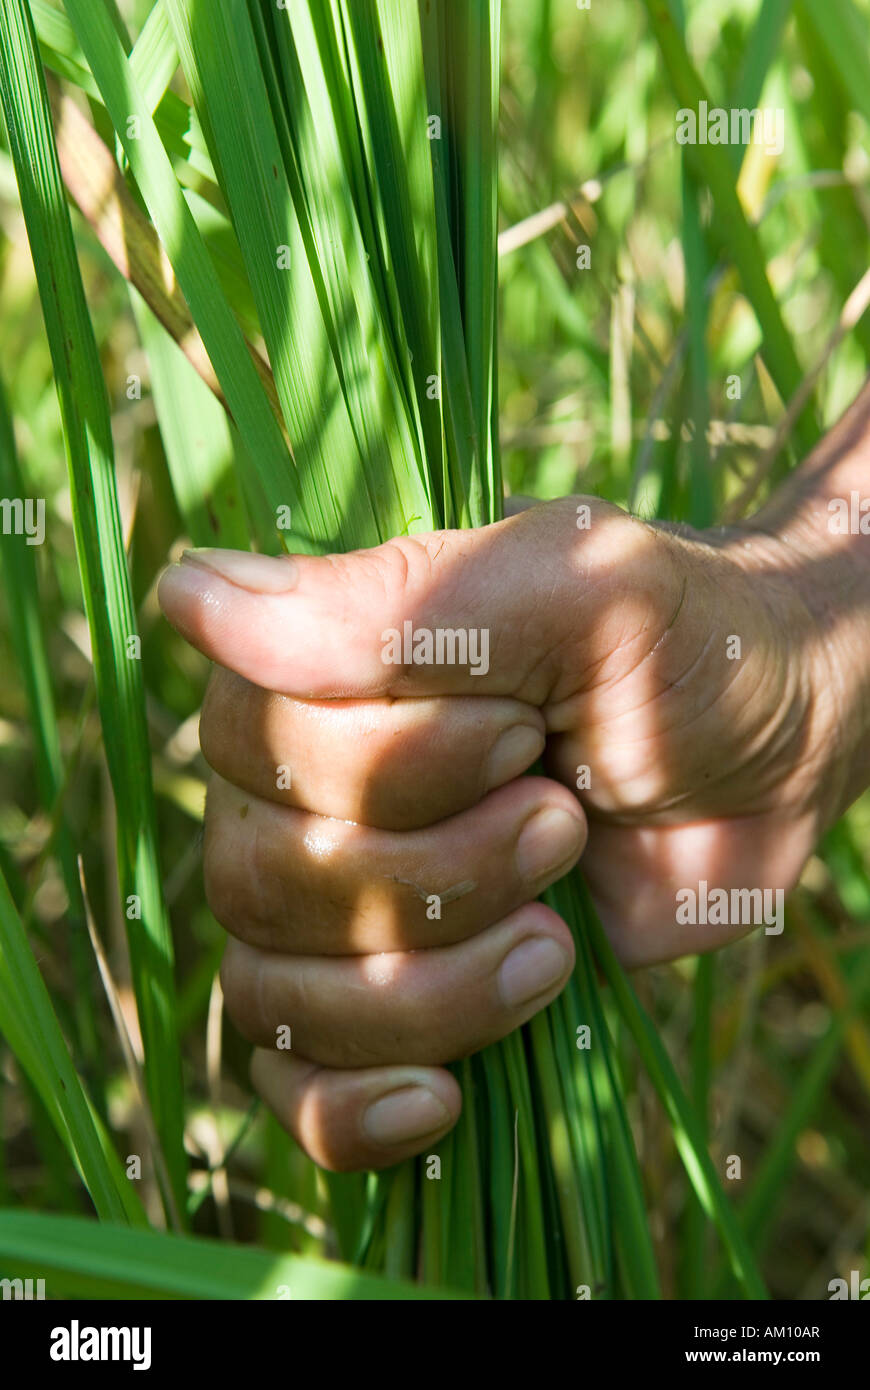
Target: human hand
pixel 608 649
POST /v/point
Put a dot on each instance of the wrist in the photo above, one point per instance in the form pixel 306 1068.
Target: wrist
pixel 822 511
pixel 817 597
pixel 830 578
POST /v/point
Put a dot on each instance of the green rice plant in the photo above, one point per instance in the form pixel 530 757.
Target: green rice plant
pixel 329 194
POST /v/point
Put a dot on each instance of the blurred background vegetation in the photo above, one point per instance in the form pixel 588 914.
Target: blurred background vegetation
pixel 613 380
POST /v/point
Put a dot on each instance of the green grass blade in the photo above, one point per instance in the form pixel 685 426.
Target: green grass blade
pixel 465 1265
pixel 154 57
pixel 459 50
pixel 59 47
pixel 695 1230
pixel 761 49
pixel 532 1255
pixel 478 48
pixel 198 440
pixel 499 1177
pixel 700 501
pixel 80 1259
pixel 347 1200
pixel 843 32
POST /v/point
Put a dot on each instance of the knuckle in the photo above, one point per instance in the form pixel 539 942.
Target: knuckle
pixel 223 707
pixel 334 1160
pixel 398 570
pixel 332 1149
pixel 219 872
pixel 355 1050
pixel 236 979
pixel 243 888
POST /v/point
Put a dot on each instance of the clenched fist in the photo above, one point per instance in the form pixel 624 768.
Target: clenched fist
pixel 370 843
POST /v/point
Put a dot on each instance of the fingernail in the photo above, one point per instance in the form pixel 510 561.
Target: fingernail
pixel 547 841
pixel 512 753
pixel 530 969
pixel 403 1115
pixel 261 574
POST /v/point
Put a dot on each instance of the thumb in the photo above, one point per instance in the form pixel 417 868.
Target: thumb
pixel 450 612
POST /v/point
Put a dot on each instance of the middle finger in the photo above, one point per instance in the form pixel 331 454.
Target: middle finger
pixel 285 880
